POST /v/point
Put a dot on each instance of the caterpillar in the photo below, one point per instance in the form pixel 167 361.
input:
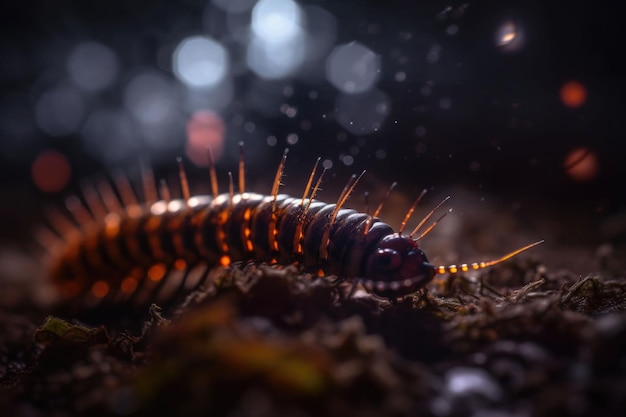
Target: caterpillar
pixel 114 245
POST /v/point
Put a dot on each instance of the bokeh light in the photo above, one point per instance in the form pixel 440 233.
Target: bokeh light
pixel 150 98
pixel 321 36
pixel 153 101
pixel 434 53
pixel 205 129
pixel 234 6
pixel 362 114
pixel 200 62
pixel 353 68
pixel 276 21
pixel 92 66
pixel 320 77
pixel 100 289
pixel 278 45
pixel 50 171
pixel 59 111
pixel 573 94
pixel 272 60
pixel 216 99
pixel 581 164
pixel 509 37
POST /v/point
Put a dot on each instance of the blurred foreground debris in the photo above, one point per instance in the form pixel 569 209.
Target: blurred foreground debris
pixel 268 341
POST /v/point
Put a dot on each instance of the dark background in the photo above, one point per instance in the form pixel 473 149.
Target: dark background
pixel 503 140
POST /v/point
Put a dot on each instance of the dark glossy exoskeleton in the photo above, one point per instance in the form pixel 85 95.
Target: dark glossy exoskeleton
pixel 397 267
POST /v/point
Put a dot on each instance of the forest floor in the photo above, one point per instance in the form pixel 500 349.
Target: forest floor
pixel 516 340
pixel 538 335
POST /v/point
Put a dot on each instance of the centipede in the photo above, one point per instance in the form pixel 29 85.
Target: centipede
pixel 111 245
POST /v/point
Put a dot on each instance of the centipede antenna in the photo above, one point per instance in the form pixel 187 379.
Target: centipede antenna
pixel 432 226
pixel 165 191
pixel 242 170
pixel 78 211
pixel 184 184
pixel 368 222
pixel 344 196
pixel 108 196
pixel 277 178
pixel 125 189
pixel 94 203
pixel 231 190
pixel 410 212
pixel 212 173
pixel 428 216
pixel 453 269
pixel 147 181
pixel 309 183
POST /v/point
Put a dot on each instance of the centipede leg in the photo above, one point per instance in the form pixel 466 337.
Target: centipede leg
pixel 183 281
pixel 154 292
pixel 132 300
pixel 202 279
pixel 338 281
pixel 112 296
pixel 353 289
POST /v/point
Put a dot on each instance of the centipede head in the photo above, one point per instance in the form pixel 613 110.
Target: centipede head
pixel 397 267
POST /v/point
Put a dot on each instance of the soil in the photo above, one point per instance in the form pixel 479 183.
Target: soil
pixel 257 340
